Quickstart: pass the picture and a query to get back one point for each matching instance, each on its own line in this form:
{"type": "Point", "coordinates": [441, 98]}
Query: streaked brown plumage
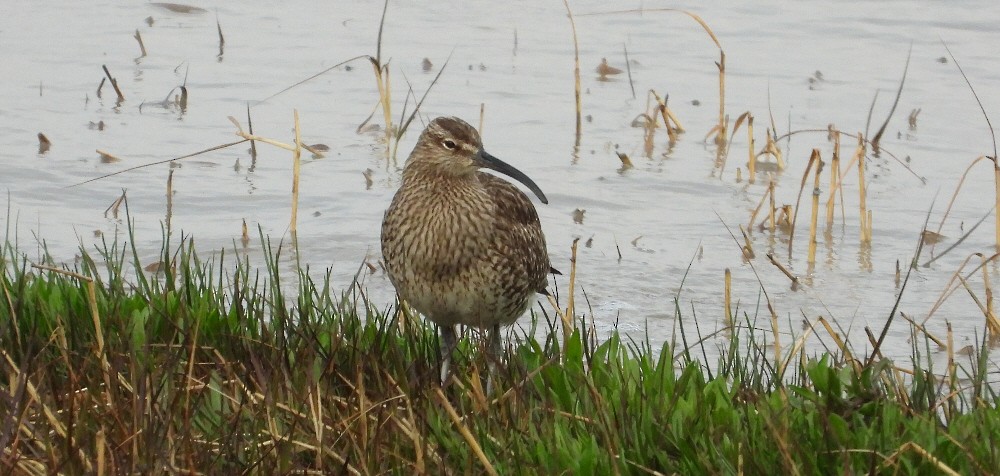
{"type": "Point", "coordinates": [462, 246]}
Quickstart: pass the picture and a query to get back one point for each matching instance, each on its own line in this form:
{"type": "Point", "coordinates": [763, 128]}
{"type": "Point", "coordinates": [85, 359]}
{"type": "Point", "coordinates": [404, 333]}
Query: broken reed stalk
{"type": "Point", "coordinates": [628, 69]}
{"type": "Point", "coordinates": [996, 196]}
{"type": "Point", "coordinates": [864, 215]}
{"type": "Point", "coordinates": [728, 319]}
{"type": "Point", "coordinates": [142, 47]}
{"type": "Point", "coordinates": [114, 83]}
{"type": "Point", "coordinates": [814, 161]}
{"type": "Point", "coordinates": [296, 168]}
{"type": "Point", "coordinates": [992, 324]}
{"type": "Point", "coordinates": [782, 268]}
{"type": "Point", "coordinates": [170, 198]}
{"type": "Point", "coordinates": [770, 193]}
{"type": "Point", "coordinates": [815, 208]}
{"type": "Point", "coordinates": [576, 74]}
{"type": "Point", "coordinates": [385, 99]}
{"type": "Point", "coordinates": [721, 137]}
{"type": "Point", "coordinates": [834, 180]}
{"type": "Point", "coordinates": [951, 287]}
{"type": "Point", "coordinates": [568, 316]}
{"type": "Point", "coordinates": [752, 162]}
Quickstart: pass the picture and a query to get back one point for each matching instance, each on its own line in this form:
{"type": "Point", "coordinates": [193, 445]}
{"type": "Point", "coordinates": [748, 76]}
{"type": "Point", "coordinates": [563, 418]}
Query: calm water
{"type": "Point", "coordinates": [668, 216]}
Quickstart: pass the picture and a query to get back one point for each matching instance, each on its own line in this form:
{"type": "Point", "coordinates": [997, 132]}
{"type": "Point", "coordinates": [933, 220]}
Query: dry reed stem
{"type": "Point", "coordinates": [568, 318]}
{"type": "Point", "coordinates": [954, 195]}
{"type": "Point", "coordinates": [576, 74]}
{"type": "Point", "coordinates": [950, 288]}
{"type": "Point", "coordinates": [815, 209]}
{"type": "Point", "coordinates": [753, 215]}
{"type": "Point", "coordinates": [170, 198]}
{"type": "Point", "coordinates": [783, 269]}
{"type": "Point", "coordinates": [728, 320]}
{"type": "Point", "coordinates": [296, 169]}
{"type": "Point", "coordinates": [996, 195]}
{"type": "Point", "coordinates": [992, 324]}
{"type": "Point", "coordinates": [923, 330]}
{"type": "Point", "coordinates": [720, 139]}
{"type": "Point", "coordinates": [770, 194]}
{"type": "Point", "coordinates": [628, 69]}
{"type": "Point", "coordinates": [814, 161]}
{"type": "Point", "coordinates": [142, 47]}
{"type": "Point", "coordinates": [747, 245]}
{"type": "Point", "coordinates": [911, 446]}
{"type": "Point", "coordinates": [860, 155]}
{"type": "Point", "coordinates": [114, 83]}
{"type": "Point", "coordinates": [989, 319]}
{"type": "Point", "coordinates": [834, 182]}
{"type": "Point", "coordinates": [752, 160]}
{"type": "Point", "coordinates": [796, 349]}
{"type": "Point", "coordinates": [464, 431]}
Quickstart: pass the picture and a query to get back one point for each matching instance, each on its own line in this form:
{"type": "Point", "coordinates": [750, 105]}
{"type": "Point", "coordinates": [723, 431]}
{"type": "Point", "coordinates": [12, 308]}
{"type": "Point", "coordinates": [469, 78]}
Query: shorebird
{"type": "Point", "coordinates": [460, 245]}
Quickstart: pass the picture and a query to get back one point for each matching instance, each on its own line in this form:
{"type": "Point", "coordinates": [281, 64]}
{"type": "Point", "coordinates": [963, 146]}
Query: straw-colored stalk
{"type": "Point", "coordinates": [142, 47]}
{"type": "Point", "coordinates": [951, 286]}
{"type": "Point", "coordinates": [170, 198]}
{"type": "Point", "coordinates": [864, 215]}
{"type": "Point", "coordinates": [770, 193]}
{"type": "Point", "coordinates": [464, 431]}
{"type": "Point", "coordinates": [815, 207]}
{"type": "Point", "coordinates": [728, 318]}
{"type": "Point", "coordinates": [834, 180]}
{"type": "Point", "coordinates": [992, 323]}
{"type": "Point", "coordinates": [576, 73]}
{"type": "Point", "coordinates": [996, 196]}
{"type": "Point", "coordinates": [568, 316]}
{"type": "Point", "coordinates": [788, 274]}
{"type": "Point", "coordinates": [747, 245]}
{"type": "Point", "coordinates": [721, 137]}
{"type": "Point", "coordinates": [296, 168]}
{"type": "Point", "coordinates": [752, 163]}
{"type": "Point", "coordinates": [385, 99]}
{"type": "Point", "coordinates": [954, 195]}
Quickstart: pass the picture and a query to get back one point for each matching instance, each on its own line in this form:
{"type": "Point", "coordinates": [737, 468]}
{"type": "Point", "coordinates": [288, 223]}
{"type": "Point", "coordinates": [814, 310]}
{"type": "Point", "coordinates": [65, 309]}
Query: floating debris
{"type": "Point", "coordinates": [427, 65]}
{"type": "Point", "coordinates": [107, 158]}
{"type": "Point", "coordinates": [368, 173]}
{"type": "Point", "coordinates": [43, 143]}
{"type": "Point", "coordinates": [179, 8]}
{"type": "Point", "coordinates": [578, 216]}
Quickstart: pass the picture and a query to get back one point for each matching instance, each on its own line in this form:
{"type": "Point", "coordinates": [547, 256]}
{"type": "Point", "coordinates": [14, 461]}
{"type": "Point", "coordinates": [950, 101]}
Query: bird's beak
{"type": "Point", "coordinates": [490, 162]}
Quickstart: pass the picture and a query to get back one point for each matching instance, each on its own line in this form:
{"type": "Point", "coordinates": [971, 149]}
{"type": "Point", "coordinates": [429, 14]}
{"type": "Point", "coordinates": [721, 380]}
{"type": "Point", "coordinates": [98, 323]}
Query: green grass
{"type": "Point", "coordinates": [218, 367]}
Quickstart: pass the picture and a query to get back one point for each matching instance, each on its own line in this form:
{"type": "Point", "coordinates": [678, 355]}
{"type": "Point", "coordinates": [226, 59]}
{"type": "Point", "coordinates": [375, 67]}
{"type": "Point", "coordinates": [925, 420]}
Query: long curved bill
{"type": "Point", "coordinates": [490, 162]}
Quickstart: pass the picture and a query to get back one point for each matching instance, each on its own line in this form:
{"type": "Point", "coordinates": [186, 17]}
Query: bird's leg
{"type": "Point", "coordinates": [448, 343]}
{"type": "Point", "coordinates": [493, 356]}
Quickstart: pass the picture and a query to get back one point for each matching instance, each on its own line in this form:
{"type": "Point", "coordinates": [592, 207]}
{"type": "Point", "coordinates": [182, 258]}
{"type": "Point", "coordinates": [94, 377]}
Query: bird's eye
{"type": "Point", "coordinates": [449, 144]}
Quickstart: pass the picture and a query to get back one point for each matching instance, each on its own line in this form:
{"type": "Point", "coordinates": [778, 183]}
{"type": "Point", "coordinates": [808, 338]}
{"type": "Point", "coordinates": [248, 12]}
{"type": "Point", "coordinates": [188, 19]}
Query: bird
{"type": "Point", "coordinates": [462, 246]}
{"type": "Point", "coordinates": [604, 69]}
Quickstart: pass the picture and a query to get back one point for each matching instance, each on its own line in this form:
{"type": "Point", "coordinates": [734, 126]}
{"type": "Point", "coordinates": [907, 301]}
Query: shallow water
{"type": "Point", "coordinates": [671, 216]}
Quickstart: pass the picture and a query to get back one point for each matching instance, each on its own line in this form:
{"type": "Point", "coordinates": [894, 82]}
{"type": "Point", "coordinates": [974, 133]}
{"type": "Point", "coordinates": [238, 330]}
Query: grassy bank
{"type": "Point", "coordinates": [215, 367]}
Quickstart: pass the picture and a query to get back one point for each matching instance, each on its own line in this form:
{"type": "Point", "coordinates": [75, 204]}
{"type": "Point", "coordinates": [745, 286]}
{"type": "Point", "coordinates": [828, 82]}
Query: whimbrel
{"type": "Point", "coordinates": [463, 246]}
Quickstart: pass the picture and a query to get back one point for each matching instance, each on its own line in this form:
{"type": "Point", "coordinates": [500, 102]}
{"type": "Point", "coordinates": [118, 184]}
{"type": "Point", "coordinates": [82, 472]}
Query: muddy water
{"type": "Point", "coordinates": [671, 217]}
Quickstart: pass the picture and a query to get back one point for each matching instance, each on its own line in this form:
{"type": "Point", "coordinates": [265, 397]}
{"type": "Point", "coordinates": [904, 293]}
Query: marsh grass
{"type": "Point", "coordinates": [219, 366]}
